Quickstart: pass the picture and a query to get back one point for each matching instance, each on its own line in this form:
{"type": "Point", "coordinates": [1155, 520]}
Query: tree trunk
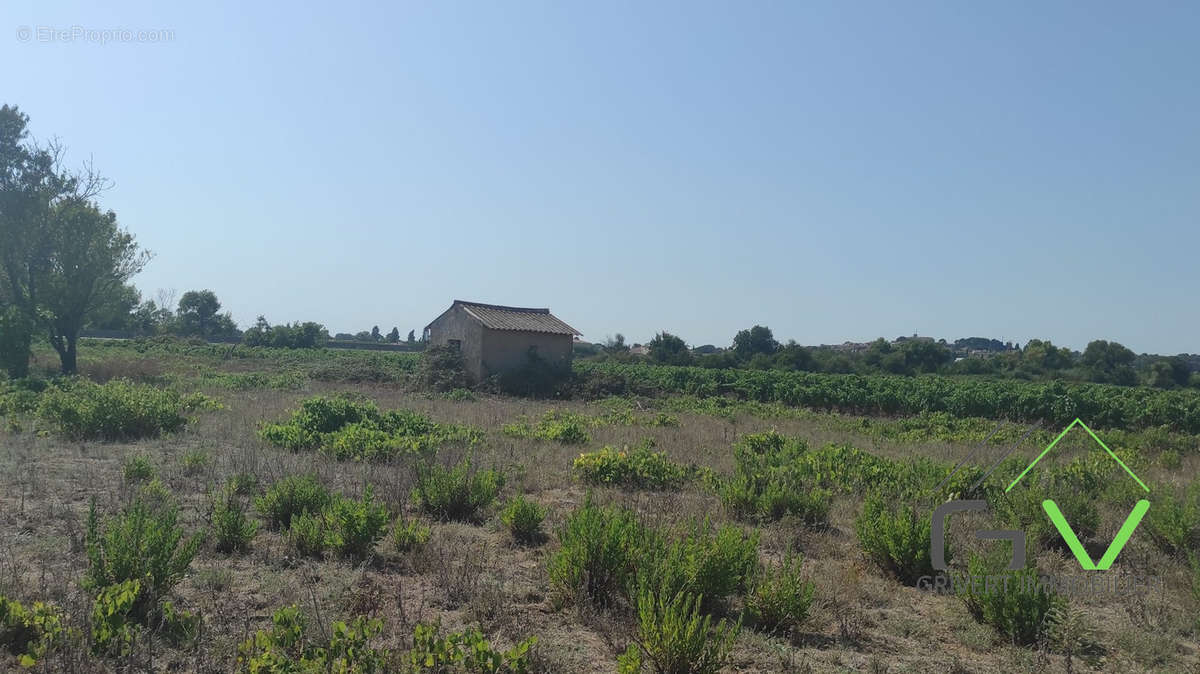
{"type": "Point", "coordinates": [68, 356]}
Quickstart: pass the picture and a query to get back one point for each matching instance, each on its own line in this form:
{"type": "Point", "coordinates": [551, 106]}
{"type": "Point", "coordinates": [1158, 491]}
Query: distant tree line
{"type": "Point", "coordinates": [756, 348]}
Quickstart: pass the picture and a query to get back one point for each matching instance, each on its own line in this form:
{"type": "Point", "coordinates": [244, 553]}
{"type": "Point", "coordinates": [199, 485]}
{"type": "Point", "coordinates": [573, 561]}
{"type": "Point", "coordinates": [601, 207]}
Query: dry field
{"type": "Point", "coordinates": [477, 575]}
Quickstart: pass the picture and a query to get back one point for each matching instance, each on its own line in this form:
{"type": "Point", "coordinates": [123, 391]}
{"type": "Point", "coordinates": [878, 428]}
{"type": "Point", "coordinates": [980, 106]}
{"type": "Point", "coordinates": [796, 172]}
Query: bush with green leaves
{"type": "Point", "coordinates": [286, 647]}
{"type": "Point", "coordinates": [143, 543]}
{"type": "Point", "coordinates": [523, 518]}
{"type": "Point", "coordinates": [409, 534]}
{"type": "Point", "coordinates": [306, 534]}
{"type": "Point", "coordinates": [1174, 521]}
{"type": "Point", "coordinates": [29, 633]}
{"type": "Point", "coordinates": [598, 555]}
{"type": "Point", "coordinates": [674, 635]}
{"type": "Point", "coordinates": [768, 482]}
{"type": "Point", "coordinates": [354, 526]}
{"type": "Point", "coordinates": [568, 428]}
{"type": "Point", "coordinates": [16, 336]}
{"type": "Point", "coordinates": [1021, 508]}
{"type": "Point", "coordinates": [137, 468]}
{"type": "Point", "coordinates": [346, 427]}
{"type": "Point", "coordinates": [290, 497]}
{"type": "Point", "coordinates": [232, 528]}
{"type": "Point", "coordinates": [780, 597]}
{"type": "Point", "coordinates": [700, 560]}
{"type": "Point", "coordinates": [195, 462]}
{"type": "Point", "coordinates": [114, 618]}
{"type": "Point", "coordinates": [637, 468]}
{"type": "Point", "coordinates": [457, 494]}
{"type": "Point", "coordinates": [1014, 602]}
{"type": "Point", "coordinates": [116, 410]}
{"type": "Point", "coordinates": [466, 651]}
{"type": "Point", "coordinates": [895, 537]}
{"type": "Point", "coordinates": [182, 628]}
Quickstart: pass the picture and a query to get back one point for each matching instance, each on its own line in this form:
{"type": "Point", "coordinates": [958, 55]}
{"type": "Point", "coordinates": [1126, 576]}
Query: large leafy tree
{"type": "Point", "coordinates": [1109, 362]}
{"type": "Point", "coordinates": [669, 349]}
{"type": "Point", "coordinates": [61, 256]}
{"type": "Point", "coordinates": [753, 341]}
{"type": "Point", "coordinates": [197, 316]}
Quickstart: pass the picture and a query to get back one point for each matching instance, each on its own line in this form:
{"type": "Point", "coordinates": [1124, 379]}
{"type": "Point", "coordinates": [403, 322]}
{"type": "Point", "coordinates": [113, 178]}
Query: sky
{"type": "Point", "coordinates": [836, 170]}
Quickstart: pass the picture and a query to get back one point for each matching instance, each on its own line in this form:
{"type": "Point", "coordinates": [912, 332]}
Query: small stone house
{"type": "Point", "coordinates": [494, 338]}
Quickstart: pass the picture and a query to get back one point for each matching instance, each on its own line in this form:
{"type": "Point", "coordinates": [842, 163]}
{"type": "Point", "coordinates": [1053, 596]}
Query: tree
{"type": "Point", "coordinates": [61, 255]}
{"type": "Point", "coordinates": [375, 334]}
{"type": "Point", "coordinates": [1109, 362]}
{"type": "Point", "coordinates": [794, 357]}
{"type": "Point", "coordinates": [16, 337]}
{"type": "Point", "coordinates": [1043, 356]}
{"type": "Point", "coordinates": [925, 356]}
{"type": "Point", "coordinates": [116, 312]}
{"type": "Point", "coordinates": [197, 312]}
{"type": "Point", "coordinates": [616, 344]}
{"type": "Point", "coordinates": [1170, 372]}
{"type": "Point", "coordinates": [758, 339]}
{"type": "Point", "coordinates": [394, 336]}
{"type": "Point", "coordinates": [668, 349]}
{"type": "Point", "coordinates": [412, 337]}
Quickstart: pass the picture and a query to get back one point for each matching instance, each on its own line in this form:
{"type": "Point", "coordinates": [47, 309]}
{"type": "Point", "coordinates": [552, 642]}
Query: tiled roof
{"type": "Point", "coordinates": [517, 318]}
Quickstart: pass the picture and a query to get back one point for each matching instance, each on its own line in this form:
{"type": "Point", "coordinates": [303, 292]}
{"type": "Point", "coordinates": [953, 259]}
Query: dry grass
{"type": "Point", "coordinates": [475, 575]}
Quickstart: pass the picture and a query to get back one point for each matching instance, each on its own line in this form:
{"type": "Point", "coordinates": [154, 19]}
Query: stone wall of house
{"type": "Point", "coordinates": [509, 349]}
{"type": "Point", "coordinates": [456, 323]}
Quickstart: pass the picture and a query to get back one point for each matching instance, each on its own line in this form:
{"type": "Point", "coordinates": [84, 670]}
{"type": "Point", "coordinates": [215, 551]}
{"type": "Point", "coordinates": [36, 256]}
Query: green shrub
{"type": "Point", "coordinates": [138, 468]}
{"type": "Point", "coordinates": [458, 493]}
{"type": "Point", "coordinates": [409, 534]}
{"type": "Point", "coordinates": [639, 468]}
{"type": "Point", "coordinates": [114, 622]}
{"type": "Point", "coordinates": [441, 369]}
{"type": "Point", "coordinates": [1022, 509]}
{"type": "Point", "coordinates": [598, 553]}
{"type": "Point", "coordinates": [232, 529]}
{"type": "Point", "coordinates": [780, 597]}
{"type": "Point", "coordinates": [752, 500]}
{"type": "Point", "coordinates": [244, 484]}
{"type": "Point", "coordinates": [703, 561]}
{"type": "Point", "coordinates": [1174, 521]}
{"type": "Point", "coordinates": [116, 410]}
{"type": "Point", "coordinates": [770, 481]}
{"type": "Point", "coordinates": [1014, 602]}
{"type": "Point", "coordinates": [675, 636]}
{"type": "Point", "coordinates": [465, 651]}
{"type": "Point", "coordinates": [1170, 459]}
{"type": "Point", "coordinates": [194, 462]}
{"type": "Point", "coordinates": [29, 633]}
{"type": "Point", "coordinates": [895, 537]}
{"type": "Point", "coordinates": [345, 427]}
{"type": "Point", "coordinates": [565, 427]}
{"type": "Point", "coordinates": [353, 527]}
{"type": "Point", "coordinates": [306, 534]}
{"type": "Point", "coordinates": [290, 497]}
{"type": "Point", "coordinates": [142, 543]}
{"type": "Point", "coordinates": [181, 628]}
{"type": "Point", "coordinates": [523, 518]}
{"type": "Point", "coordinates": [286, 648]}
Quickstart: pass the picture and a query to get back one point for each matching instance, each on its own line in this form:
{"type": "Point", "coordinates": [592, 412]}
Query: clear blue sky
{"type": "Point", "coordinates": [837, 171]}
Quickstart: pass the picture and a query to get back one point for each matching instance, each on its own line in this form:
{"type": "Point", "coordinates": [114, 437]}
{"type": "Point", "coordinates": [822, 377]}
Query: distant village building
{"type": "Point", "coordinates": [495, 339]}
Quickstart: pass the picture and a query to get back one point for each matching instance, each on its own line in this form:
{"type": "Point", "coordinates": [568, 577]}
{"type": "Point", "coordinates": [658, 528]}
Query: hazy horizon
{"type": "Point", "coordinates": [836, 172]}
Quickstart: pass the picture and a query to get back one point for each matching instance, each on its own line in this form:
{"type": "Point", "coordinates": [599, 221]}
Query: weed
{"type": "Point", "coordinates": [523, 518]}
{"type": "Point", "coordinates": [290, 497]}
{"type": "Point", "coordinates": [457, 494]}
{"type": "Point", "coordinates": [780, 597]}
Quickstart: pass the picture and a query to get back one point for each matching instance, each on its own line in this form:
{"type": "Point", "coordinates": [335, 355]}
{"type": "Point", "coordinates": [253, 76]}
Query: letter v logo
{"type": "Point", "coordinates": [1114, 549]}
